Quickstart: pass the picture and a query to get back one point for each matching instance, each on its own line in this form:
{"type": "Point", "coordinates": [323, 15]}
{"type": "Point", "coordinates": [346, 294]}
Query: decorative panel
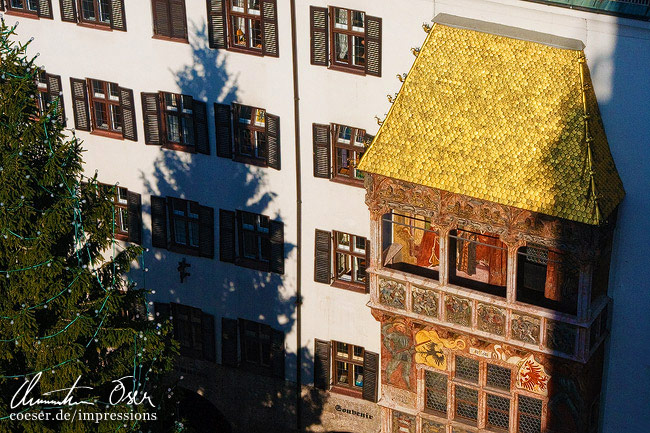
{"type": "Point", "coordinates": [429, 426]}
{"type": "Point", "coordinates": [392, 293]}
{"type": "Point", "coordinates": [491, 319]}
{"type": "Point", "coordinates": [458, 310]}
{"type": "Point", "coordinates": [561, 337]}
{"type": "Point", "coordinates": [456, 429]}
{"type": "Point", "coordinates": [403, 423]}
{"type": "Point", "coordinates": [525, 328]}
{"type": "Point", "coordinates": [425, 301]}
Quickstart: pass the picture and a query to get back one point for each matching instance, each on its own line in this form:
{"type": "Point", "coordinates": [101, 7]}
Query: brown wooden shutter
{"type": "Point", "coordinates": [80, 104]}
{"type": "Point", "coordinates": [196, 332]}
{"type": "Point", "coordinates": [206, 232]}
{"type": "Point", "coordinates": [207, 333]}
{"type": "Point", "coordinates": [322, 151]}
{"type": "Point", "coordinates": [223, 130]}
{"type": "Point", "coordinates": [129, 129]}
{"type": "Point", "coordinates": [118, 20]}
{"type": "Point", "coordinates": [270, 28]}
{"type": "Point", "coordinates": [273, 140]}
{"type": "Point", "coordinates": [68, 10]}
{"type": "Point", "coordinates": [319, 36]}
{"type": "Point", "coordinates": [161, 19]}
{"type": "Point", "coordinates": [162, 311]}
{"type": "Point", "coordinates": [370, 379]}
{"type": "Point", "coordinates": [226, 236]}
{"type": "Point", "coordinates": [322, 353]}
{"type": "Point", "coordinates": [276, 263]}
{"type": "Point", "coordinates": [277, 353]}
{"type": "Point", "coordinates": [229, 346]}
{"type": "Point", "coordinates": [373, 46]}
{"type": "Point", "coordinates": [323, 257]}
{"type": "Point", "coordinates": [2, 5]}
{"type": "Point", "coordinates": [158, 222]}
{"type": "Point", "coordinates": [151, 116]}
{"type": "Point", "coordinates": [178, 19]}
{"type": "Point", "coordinates": [216, 24]}
{"type": "Point", "coordinates": [55, 90]}
{"type": "Point", "coordinates": [201, 127]}
{"type": "Point", "coordinates": [367, 266]}
{"type": "Point", "coordinates": [45, 8]}
{"type": "Point", "coordinates": [135, 217]}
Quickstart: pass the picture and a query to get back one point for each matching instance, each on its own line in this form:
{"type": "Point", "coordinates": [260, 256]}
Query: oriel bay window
{"type": "Point", "coordinates": [29, 8]}
{"type": "Point", "coordinates": [175, 121]}
{"type": "Point", "coordinates": [169, 19]}
{"type": "Point", "coordinates": [256, 135]}
{"type": "Point", "coordinates": [546, 278]}
{"type": "Point", "coordinates": [193, 328]}
{"type": "Point", "coordinates": [102, 14]}
{"type": "Point", "coordinates": [350, 257]}
{"type": "Point", "coordinates": [478, 261]}
{"type": "Point", "coordinates": [104, 108]}
{"type": "Point", "coordinates": [249, 26]}
{"type": "Point", "coordinates": [251, 240]}
{"type": "Point", "coordinates": [345, 39]}
{"type": "Point", "coordinates": [127, 213]}
{"type": "Point", "coordinates": [182, 226]}
{"type": "Point", "coordinates": [410, 244]}
{"type": "Point", "coordinates": [50, 91]}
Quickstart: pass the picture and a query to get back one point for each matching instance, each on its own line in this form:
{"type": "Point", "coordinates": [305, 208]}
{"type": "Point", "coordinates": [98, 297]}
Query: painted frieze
{"type": "Point", "coordinates": [491, 319]}
{"type": "Point", "coordinates": [525, 328]}
{"type": "Point", "coordinates": [458, 310]}
{"type": "Point", "coordinates": [429, 426]}
{"type": "Point", "coordinates": [397, 354]}
{"type": "Point", "coordinates": [425, 301]}
{"type": "Point", "coordinates": [561, 337]}
{"type": "Point", "coordinates": [532, 376]}
{"type": "Point", "coordinates": [392, 293]}
{"type": "Point", "coordinates": [429, 348]}
{"type": "Point", "coordinates": [403, 422]}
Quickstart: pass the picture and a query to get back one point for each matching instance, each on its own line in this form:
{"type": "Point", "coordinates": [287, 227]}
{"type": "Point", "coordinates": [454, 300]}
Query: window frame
{"type": "Point", "coordinates": [262, 240]}
{"type": "Point", "coordinates": [260, 330]}
{"type": "Point", "coordinates": [354, 254]}
{"type": "Point", "coordinates": [121, 211]}
{"type": "Point", "coordinates": [248, 17]}
{"type": "Point", "coordinates": [350, 33]}
{"type": "Point", "coordinates": [351, 388]}
{"type": "Point", "coordinates": [254, 130]}
{"type": "Point", "coordinates": [154, 16]}
{"type": "Point", "coordinates": [43, 98]}
{"type": "Point", "coordinates": [23, 11]}
{"type": "Point", "coordinates": [97, 9]}
{"type": "Point", "coordinates": [181, 113]}
{"type": "Point", "coordinates": [186, 219]}
{"type": "Point", "coordinates": [354, 148]}
{"type": "Point", "coordinates": [107, 102]}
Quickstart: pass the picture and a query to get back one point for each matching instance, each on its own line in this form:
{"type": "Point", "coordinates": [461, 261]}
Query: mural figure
{"type": "Point", "coordinates": [400, 347]}
{"type": "Point", "coordinates": [429, 348]}
{"type": "Point", "coordinates": [532, 377]}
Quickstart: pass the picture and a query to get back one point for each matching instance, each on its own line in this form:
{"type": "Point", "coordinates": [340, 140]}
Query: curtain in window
{"type": "Point", "coordinates": [553, 276]}
{"type": "Point", "coordinates": [429, 251]}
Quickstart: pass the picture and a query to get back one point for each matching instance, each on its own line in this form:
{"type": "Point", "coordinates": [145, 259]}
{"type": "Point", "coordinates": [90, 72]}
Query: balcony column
{"type": "Point", "coordinates": [511, 281]}
{"type": "Point", "coordinates": [375, 251]}
{"type": "Point", "coordinates": [443, 274]}
{"type": "Point", "coordinates": [584, 291]}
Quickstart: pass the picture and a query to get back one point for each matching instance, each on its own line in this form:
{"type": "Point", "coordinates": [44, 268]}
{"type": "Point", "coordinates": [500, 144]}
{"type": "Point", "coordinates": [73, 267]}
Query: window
{"type": "Point", "coordinates": [345, 39]}
{"type": "Point", "coordinates": [49, 91]}
{"type": "Point", "coordinates": [530, 415]}
{"type": "Point", "coordinates": [251, 240]}
{"type": "Point", "coordinates": [169, 20]}
{"type": "Point", "coordinates": [127, 215]}
{"type": "Point", "coordinates": [190, 229]}
{"type": "Point", "coordinates": [410, 244]}
{"type": "Point", "coordinates": [102, 14]}
{"type": "Point", "coordinates": [29, 8]}
{"type": "Point", "coordinates": [256, 135]}
{"type": "Point", "coordinates": [354, 369]}
{"type": "Point", "coordinates": [478, 261]}
{"type": "Point", "coordinates": [545, 279]}
{"type": "Point", "coordinates": [193, 329]}
{"type": "Point", "coordinates": [104, 108]}
{"type": "Point", "coordinates": [435, 392]}
{"type": "Point", "coordinates": [175, 121]}
{"type": "Point", "coordinates": [350, 256]}
{"type": "Point", "coordinates": [248, 26]}
{"type": "Point", "coordinates": [252, 346]}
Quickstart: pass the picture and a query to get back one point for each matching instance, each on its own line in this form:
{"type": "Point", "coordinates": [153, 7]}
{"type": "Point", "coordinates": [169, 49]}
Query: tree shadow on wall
{"type": "Point", "coordinates": [247, 401]}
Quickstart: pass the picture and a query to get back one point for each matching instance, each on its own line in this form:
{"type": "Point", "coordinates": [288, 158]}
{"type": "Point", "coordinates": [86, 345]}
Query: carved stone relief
{"type": "Point", "coordinates": [458, 310]}
{"type": "Point", "coordinates": [561, 337]}
{"type": "Point", "coordinates": [425, 301]}
{"type": "Point", "coordinates": [525, 328]}
{"type": "Point", "coordinates": [392, 293]}
{"type": "Point", "coordinates": [491, 319]}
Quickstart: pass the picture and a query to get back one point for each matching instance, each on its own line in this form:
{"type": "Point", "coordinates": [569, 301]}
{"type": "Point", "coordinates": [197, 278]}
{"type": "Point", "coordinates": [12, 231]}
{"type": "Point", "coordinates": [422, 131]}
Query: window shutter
{"type": "Point", "coordinates": [229, 346]}
{"type": "Point", "coordinates": [367, 266]}
{"type": "Point", "coordinates": [162, 311]}
{"type": "Point", "coordinates": [129, 130]}
{"type": "Point", "coordinates": [68, 11]}
{"type": "Point", "coordinates": [118, 20]}
{"type": "Point", "coordinates": [45, 8]}
{"type": "Point", "coordinates": [273, 140]}
{"type": "Point", "coordinates": [178, 19]}
{"type": "Point", "coordinates": [277, 353]}
{"type": "Point", "coordinates": [277, 247]}
{"type": "Point", "coordinates": [161, 20]}
{"type": "Point", "coordinates": [54, 89]}
{"type": "Point", "coordinates": [151, 116]}
{"type": "Point", "coordinates": [216, 24]}
{"type": "Point", "coordinates": [223, 130]}
{"type": "Point", "coordinates": [270, 28]}
{"type": "Point", "coordinates": [135, 217]}
{"type": "Point", "coordinates": [158, 222]}
{"type": "Point", "coordinates": [226, 236]}
{"type": "Point", "coordinates": [318, 30]}
{"type": "Point", "coordinates": [201, 127]}
{"type": "Point", "coordinates": [370, 379]}
{"type": "Point", "coordinates": [323, 257]}
{"type": "Point", "coordinates": [207, 333]}
{"type": "Point", "coordinates": [206, 232]}
{"type": "Point", "coordinates": [373, 46]}
{"type": "Point", "coordinates": [322, 351]}
{"type": "Point", "coordinates": [2, 5]}
{"type": "Point", "coordinates": [322, 151]}
{"type": "Point", "coordinates": [80, 104]}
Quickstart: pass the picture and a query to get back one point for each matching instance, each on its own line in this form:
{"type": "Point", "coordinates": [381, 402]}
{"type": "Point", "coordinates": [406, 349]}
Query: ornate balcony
{"type": "Point", "coordinates": [636, 9]}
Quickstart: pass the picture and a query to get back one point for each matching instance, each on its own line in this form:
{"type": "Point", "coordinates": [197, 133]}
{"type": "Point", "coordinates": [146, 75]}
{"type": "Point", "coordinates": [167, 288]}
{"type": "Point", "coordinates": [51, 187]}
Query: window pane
{"type": "Point", "coordinates": [98, 88]}
{"type": "Point", "coordinates": [122, 195]}
{"type": "Point", "coordinates": [467, 369]}
{"type": "Point", "coordinates": [358, 375]}
{"type": "Point", "coordinates": [245, 144]}
{"type": "Point", "coordinates": [261, 144]}
{"type": "Point", "coordinates": [116, 117]}
{"type": "Point", "coordinates": [342, 372]}
{"type": "Point", "coordinates": [359, 244]}
{"type": "Point", "coordinates": [358, 51]}
{"type": "Point", "coordinates": [265, 249]}
{"type": "Point", "coordinates": [358, 19]}
{"type": "Point", "coordinates": [255, 36]}
{"type": "Point", "coordinates": [171, 103]}
{"type": "Point", "coordinates": [188, 131]}
{"type": "Point", "coordinates": [179, 231]}
{"type": "Point", "coordinates": [341, 18]}
{"type": "Point", "coordinates": [436, 391]}
{"type": "Point", "coordinates": [357, 159]}
{"type": "Point", "coordinates": [105, 11]}
{"type": "Point", "coordinates": [341, 48]}
{"type": "Point", "coordinates": [343, 166]}
{"type": "Point", "coordinates": [498, 377]}
{"type": "Point", "coordinates": [245, 114]}
{"type": "Point", "coordinates": [466, 403]}
{"type": "Point", "coordinates": [360, 269]}
{"type": "Point", "coordinates": [194, 234]}
{"type": "Point", "coordinates": [101, 116]}
{"type": "Point", "coordinates": [173, 131]}
{"type": "Point", "coordinates": [357, 353]}
{"type": "Point", "coordinates": [249, 221]}
{"type": "Point", "coordinates": [254, 7]}
{"type": "Point", "coordinates": [238, 5]}
{"type": "Point", "coordinates": [345, 133]}
{"type": "Point", "coordinates": [32, 5]}
{"type": "Point", "coordinates": [411, 245]}
{"type": "Point", "coordinates": [530, 414]}
{"type": "Point", "coordinates": [88, 10]}
{"type": "Point", "coordinates": [343, 267]}
{"type": "Point", "coordinates": [113, 91]}
{"type": "Point", "coordinates": [250, 245]}
{"type": "Point", "coordinates": [252, 350]}
{"type": "Point", "coordinates": [260, 117]}
{"type": "Point", "coordinates": [17, 4]}
{"type": "Point", "coordinates": [498, 411]}
{"type": "Point", "coordinates": [239, 31]}
{"type": "Point", "coordinates": [263, 225]}
{"type": "Point", "coordinates": [481, 258]}
{"type": "Point", "coordinates": [342, 349]}
{"type": "Point", "coordinates": [343, 241]}
{"type": "Point", "coordinates": [122, 220]}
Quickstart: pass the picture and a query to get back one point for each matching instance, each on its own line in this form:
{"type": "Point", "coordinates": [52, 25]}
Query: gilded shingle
{"type": "Point", "coordinates": [503, 120]}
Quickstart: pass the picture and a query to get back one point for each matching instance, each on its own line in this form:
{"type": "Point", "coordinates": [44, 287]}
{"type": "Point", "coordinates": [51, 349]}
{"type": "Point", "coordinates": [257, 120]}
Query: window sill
{"type": "Point", "coordinates": [348, 69]}
{"type": "Point", "coordinates": [179, 148]}
{"type": "Point", "coordinates": [252, 264]}
{"type": "Point", "coordinates": [184, 249]}
{"type": "Point", "coordinates": [170, 39]}
{"type": "Point", "coordinates": [250, 160]}
{"type": "Point", "coordinates": [346, 391]}
{"type": "Point", "coordinates": [353, 287]}
{"type": "Point", "coordinates": [122, 237]}
{"type": "Point", "coordinates": [348, 181]}
{"type": "Point", "coordinates": [251, 51]}
{"type": "Point", "coordinates": [104, 27]}
{"type": "Point", "coordinates": [107, 134]}
{"type": "Point", "coordinates": [22, 14]}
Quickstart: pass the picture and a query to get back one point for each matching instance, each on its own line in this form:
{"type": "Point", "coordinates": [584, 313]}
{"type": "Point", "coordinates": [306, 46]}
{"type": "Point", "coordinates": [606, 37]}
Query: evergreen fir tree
{"type": "Point", "coordinates": [67, 308]}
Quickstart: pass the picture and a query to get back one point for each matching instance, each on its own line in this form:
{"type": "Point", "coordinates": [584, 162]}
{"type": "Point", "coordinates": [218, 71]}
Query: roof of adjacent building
{"type": "Point", "coordinates": [504, 115]}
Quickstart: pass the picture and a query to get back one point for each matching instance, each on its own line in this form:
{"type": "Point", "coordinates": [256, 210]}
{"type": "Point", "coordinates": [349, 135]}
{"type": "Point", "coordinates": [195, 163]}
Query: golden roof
{"type": "Point", "coordinates": [505, 120]}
